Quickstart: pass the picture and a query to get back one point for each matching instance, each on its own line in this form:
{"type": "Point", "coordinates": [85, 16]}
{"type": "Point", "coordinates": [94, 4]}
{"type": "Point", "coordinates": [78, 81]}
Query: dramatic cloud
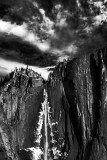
{"type": "Point", "coordinates": [40, 33]}
{"type": "Point", "coordinates": [22, 32]}
{"type": "Point", "coordinates": [63, 34]}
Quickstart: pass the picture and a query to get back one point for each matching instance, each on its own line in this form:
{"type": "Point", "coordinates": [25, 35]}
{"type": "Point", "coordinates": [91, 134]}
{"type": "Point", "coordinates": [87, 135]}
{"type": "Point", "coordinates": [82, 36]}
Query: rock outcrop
{"type": "Point", "coordinates": [64, 118]}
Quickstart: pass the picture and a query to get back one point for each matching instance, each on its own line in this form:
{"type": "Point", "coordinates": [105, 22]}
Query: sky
{"type": "Point", "coordinates": [40, 33]}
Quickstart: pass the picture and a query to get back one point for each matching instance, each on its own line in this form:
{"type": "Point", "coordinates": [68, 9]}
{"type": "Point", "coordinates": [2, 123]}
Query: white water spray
{"type": "Point", "coordinates": [45, 125]}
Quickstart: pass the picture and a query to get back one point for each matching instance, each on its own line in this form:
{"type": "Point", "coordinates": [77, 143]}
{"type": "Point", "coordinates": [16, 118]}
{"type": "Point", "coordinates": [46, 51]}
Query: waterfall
{"type": "Point", "coordinates": [45, 128]}
{"type": "Point", "coordinates": [45, 106]}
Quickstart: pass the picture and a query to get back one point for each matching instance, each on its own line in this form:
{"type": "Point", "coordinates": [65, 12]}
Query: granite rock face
{"type": "Point", "coordinates": [64, 118]}
{"type": "Point", "coordinates": [20, 99]}
{"type": "Point", "coordinates": [85, 89]}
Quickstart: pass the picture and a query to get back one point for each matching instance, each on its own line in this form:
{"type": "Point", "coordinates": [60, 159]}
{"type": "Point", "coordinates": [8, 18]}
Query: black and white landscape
{"type": "Point", "coordinates": [53, 80]}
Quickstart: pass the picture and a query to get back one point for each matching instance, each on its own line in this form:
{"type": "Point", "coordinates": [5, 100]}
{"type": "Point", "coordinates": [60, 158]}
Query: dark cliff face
{"type": "Point", "coordinates": [84, 88]}
{"type": "Point", "coordinates": [20, 100]}
{"type": "Point", "coordinates": [64, 118]}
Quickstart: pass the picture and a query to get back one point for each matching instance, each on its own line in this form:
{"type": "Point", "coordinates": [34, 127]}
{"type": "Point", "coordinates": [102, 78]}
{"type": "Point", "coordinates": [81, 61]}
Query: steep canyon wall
{"type": "Point", "coordinates": [67, 114]}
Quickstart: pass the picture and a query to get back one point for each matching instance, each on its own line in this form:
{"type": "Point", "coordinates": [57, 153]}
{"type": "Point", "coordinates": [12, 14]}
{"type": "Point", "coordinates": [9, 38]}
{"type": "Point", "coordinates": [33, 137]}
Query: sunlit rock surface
{"type": "Point", "coordinates": [62, 119]}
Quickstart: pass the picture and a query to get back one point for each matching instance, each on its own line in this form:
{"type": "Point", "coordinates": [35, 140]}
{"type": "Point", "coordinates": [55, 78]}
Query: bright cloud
{"type": "Point", "coordinates": [61, 16]}
{"type": "Point", "coordinates": [47, 24]}
{"type": "Point", "coordinates": [23, 32]}
{"type": "Point", "coordinates": [102, 17]}
{"type": "Point", "coordinates": [9, 66]}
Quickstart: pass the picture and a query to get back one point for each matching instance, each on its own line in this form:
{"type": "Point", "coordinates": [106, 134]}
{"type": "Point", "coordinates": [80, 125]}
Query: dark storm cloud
{"type": "Point", "coordinates": [14, 48]}
{"type": "Point", "coordinates": [6, 12]}
{"type": "Point", "coordinates": [17, 11]}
